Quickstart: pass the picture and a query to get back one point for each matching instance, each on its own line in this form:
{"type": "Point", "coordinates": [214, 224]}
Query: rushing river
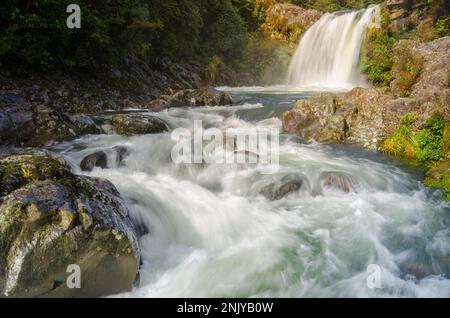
{"type": "Point", "coordinates": [211, 234]}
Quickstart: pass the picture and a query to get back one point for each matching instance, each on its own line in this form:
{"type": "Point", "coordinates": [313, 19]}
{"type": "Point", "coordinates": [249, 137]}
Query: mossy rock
{"type": "Point", "coordinates": [51, 219]}
{"type": "Point", "coordinates": [134, 124]}
{"type": "Point", "coordinates": [438, 177]}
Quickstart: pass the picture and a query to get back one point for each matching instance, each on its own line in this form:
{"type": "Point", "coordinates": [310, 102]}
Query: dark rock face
{"type": "Point", "coordinates": [277, 191]}
{"type": "Point", "coordinates": [50, 219]}
{"type": "Point", "coordinates": [134, 124]}
{"type": "Point", "coordinates": [24, 124]}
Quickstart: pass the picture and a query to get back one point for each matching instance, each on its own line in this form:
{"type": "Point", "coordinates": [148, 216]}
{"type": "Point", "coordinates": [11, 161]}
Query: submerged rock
{"type": "Point", "coordinates": [277, 191]}
{"type": "Point", "coordinates": [100, 158]}
{"type": "Point", "coordinates": [136, 124]}
{"type": "Point", "coordinates": [339, 181]}
{"type": "Point", "coordinates": [50, 220]}
{"type": "Point", "coordinates": [96, 159]}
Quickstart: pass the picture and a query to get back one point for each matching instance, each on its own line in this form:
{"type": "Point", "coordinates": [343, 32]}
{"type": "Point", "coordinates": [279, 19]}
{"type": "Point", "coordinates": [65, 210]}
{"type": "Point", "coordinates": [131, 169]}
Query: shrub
{"type": "Point", "coordinates": [335, 5]}
{"type": "Point", "coordinates": [427, 144]}
{"type": "Point", "coordinates": [377, 57]}
{"type": "Point", "coordinates": [407, 69]}
{"type": "Point", "coordinates": [442, 26]}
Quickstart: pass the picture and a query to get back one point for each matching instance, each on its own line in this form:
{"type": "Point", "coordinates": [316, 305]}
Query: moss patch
{"type": "Point", "coordinates": [429, 145]}
{"type": "Point", "coordinates": [377, 53]}
{"type": "Point", "coordinates": [18, 171]}
{"type": "Point", "coordinates": [438, 177]}
{"type": "Point", "coordinates": [407, 69]}
{"type": "Point", "coordinates": [423, 145]}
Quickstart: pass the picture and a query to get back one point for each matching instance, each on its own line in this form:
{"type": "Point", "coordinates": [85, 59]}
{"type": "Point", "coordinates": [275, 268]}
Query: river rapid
{"type": "Point", "coordinates": [212, 234]}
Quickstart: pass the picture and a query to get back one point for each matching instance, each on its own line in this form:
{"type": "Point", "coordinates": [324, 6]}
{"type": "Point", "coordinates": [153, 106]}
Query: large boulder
{"type": "Point", "coordinates": [338, 181]}
{"type": "Point", "coordinates": [52, 221]}
{"type": "Point", "coordinates": [355, 117]}
{"type": "Point", "coordinates": [137, 124]}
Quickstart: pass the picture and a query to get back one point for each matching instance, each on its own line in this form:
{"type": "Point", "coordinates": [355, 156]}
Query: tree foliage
{"type": "Point", "coordinates": [34, 32]}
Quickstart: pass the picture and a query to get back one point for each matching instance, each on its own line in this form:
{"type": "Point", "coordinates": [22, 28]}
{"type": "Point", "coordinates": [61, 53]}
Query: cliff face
{"type": "Point", "coordinates": [420, 15]}
{"type": "Point", "coordinates": [288, 22]}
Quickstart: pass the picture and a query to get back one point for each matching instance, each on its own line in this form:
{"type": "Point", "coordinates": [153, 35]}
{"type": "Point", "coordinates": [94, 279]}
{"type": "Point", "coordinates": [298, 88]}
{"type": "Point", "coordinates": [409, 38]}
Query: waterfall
{"type": "Point", "coordinates": [328, 53]}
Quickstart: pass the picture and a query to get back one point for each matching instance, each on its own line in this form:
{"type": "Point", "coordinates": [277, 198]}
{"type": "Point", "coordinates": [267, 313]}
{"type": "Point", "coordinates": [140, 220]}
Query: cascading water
{"type": "Point", "coordinates": [328, 53]}
{"type": "Point", "coordinates": [211, 233]}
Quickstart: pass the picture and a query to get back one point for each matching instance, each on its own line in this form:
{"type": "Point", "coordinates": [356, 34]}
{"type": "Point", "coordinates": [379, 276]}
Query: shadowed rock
{"type": "Point", "coordinates": [51, 219]}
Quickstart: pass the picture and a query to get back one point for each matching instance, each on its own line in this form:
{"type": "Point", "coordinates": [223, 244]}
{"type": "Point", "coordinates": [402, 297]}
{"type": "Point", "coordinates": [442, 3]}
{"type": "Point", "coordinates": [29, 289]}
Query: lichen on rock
{"type": "Point", "coordinates": [50, 219]}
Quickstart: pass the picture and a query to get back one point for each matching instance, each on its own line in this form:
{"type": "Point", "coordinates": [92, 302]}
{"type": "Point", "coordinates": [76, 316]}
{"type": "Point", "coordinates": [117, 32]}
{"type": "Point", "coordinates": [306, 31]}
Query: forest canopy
{"type": "Point", "coordinates": [34, 32]}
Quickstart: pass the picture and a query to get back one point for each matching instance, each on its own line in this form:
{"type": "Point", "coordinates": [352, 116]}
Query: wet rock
{"type": "Point", "coordinates": [100, 159]}
{"type": "Point", "coordinates": [84, 125]}
{"type": "Point", "coordinates": [97, 159]}
{"type": "Point", "coordinates": [192, 97]}
{"type": "Point", "coordinates": [157, 105]}
{"type": "Point", "coordinates": [135, 124]}
{"type": "Point", "coordinates": [417, 270]}
{"type": "Point", "coordinates": [52, 219]}
{"type": "Point", "coordinates": [121, 153]}
{"type": "Point", "coordinates": [339, 181]}
{"type": "Point", "coordinates": [277, 191]}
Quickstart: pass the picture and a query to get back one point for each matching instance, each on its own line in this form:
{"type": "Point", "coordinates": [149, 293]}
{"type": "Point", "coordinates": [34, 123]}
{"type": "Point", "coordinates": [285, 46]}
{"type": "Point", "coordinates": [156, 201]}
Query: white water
{"type": "Point", "coordinates": [212, 235]}
{"type": "Point", "coordinates": [328, 53]}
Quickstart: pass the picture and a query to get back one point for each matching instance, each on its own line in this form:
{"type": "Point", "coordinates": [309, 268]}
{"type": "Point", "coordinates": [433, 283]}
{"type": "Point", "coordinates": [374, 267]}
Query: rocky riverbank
{"type": "Point", "coordinates": [51, 109]}
{"type": "Point", "coordinates": [370, 116]}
